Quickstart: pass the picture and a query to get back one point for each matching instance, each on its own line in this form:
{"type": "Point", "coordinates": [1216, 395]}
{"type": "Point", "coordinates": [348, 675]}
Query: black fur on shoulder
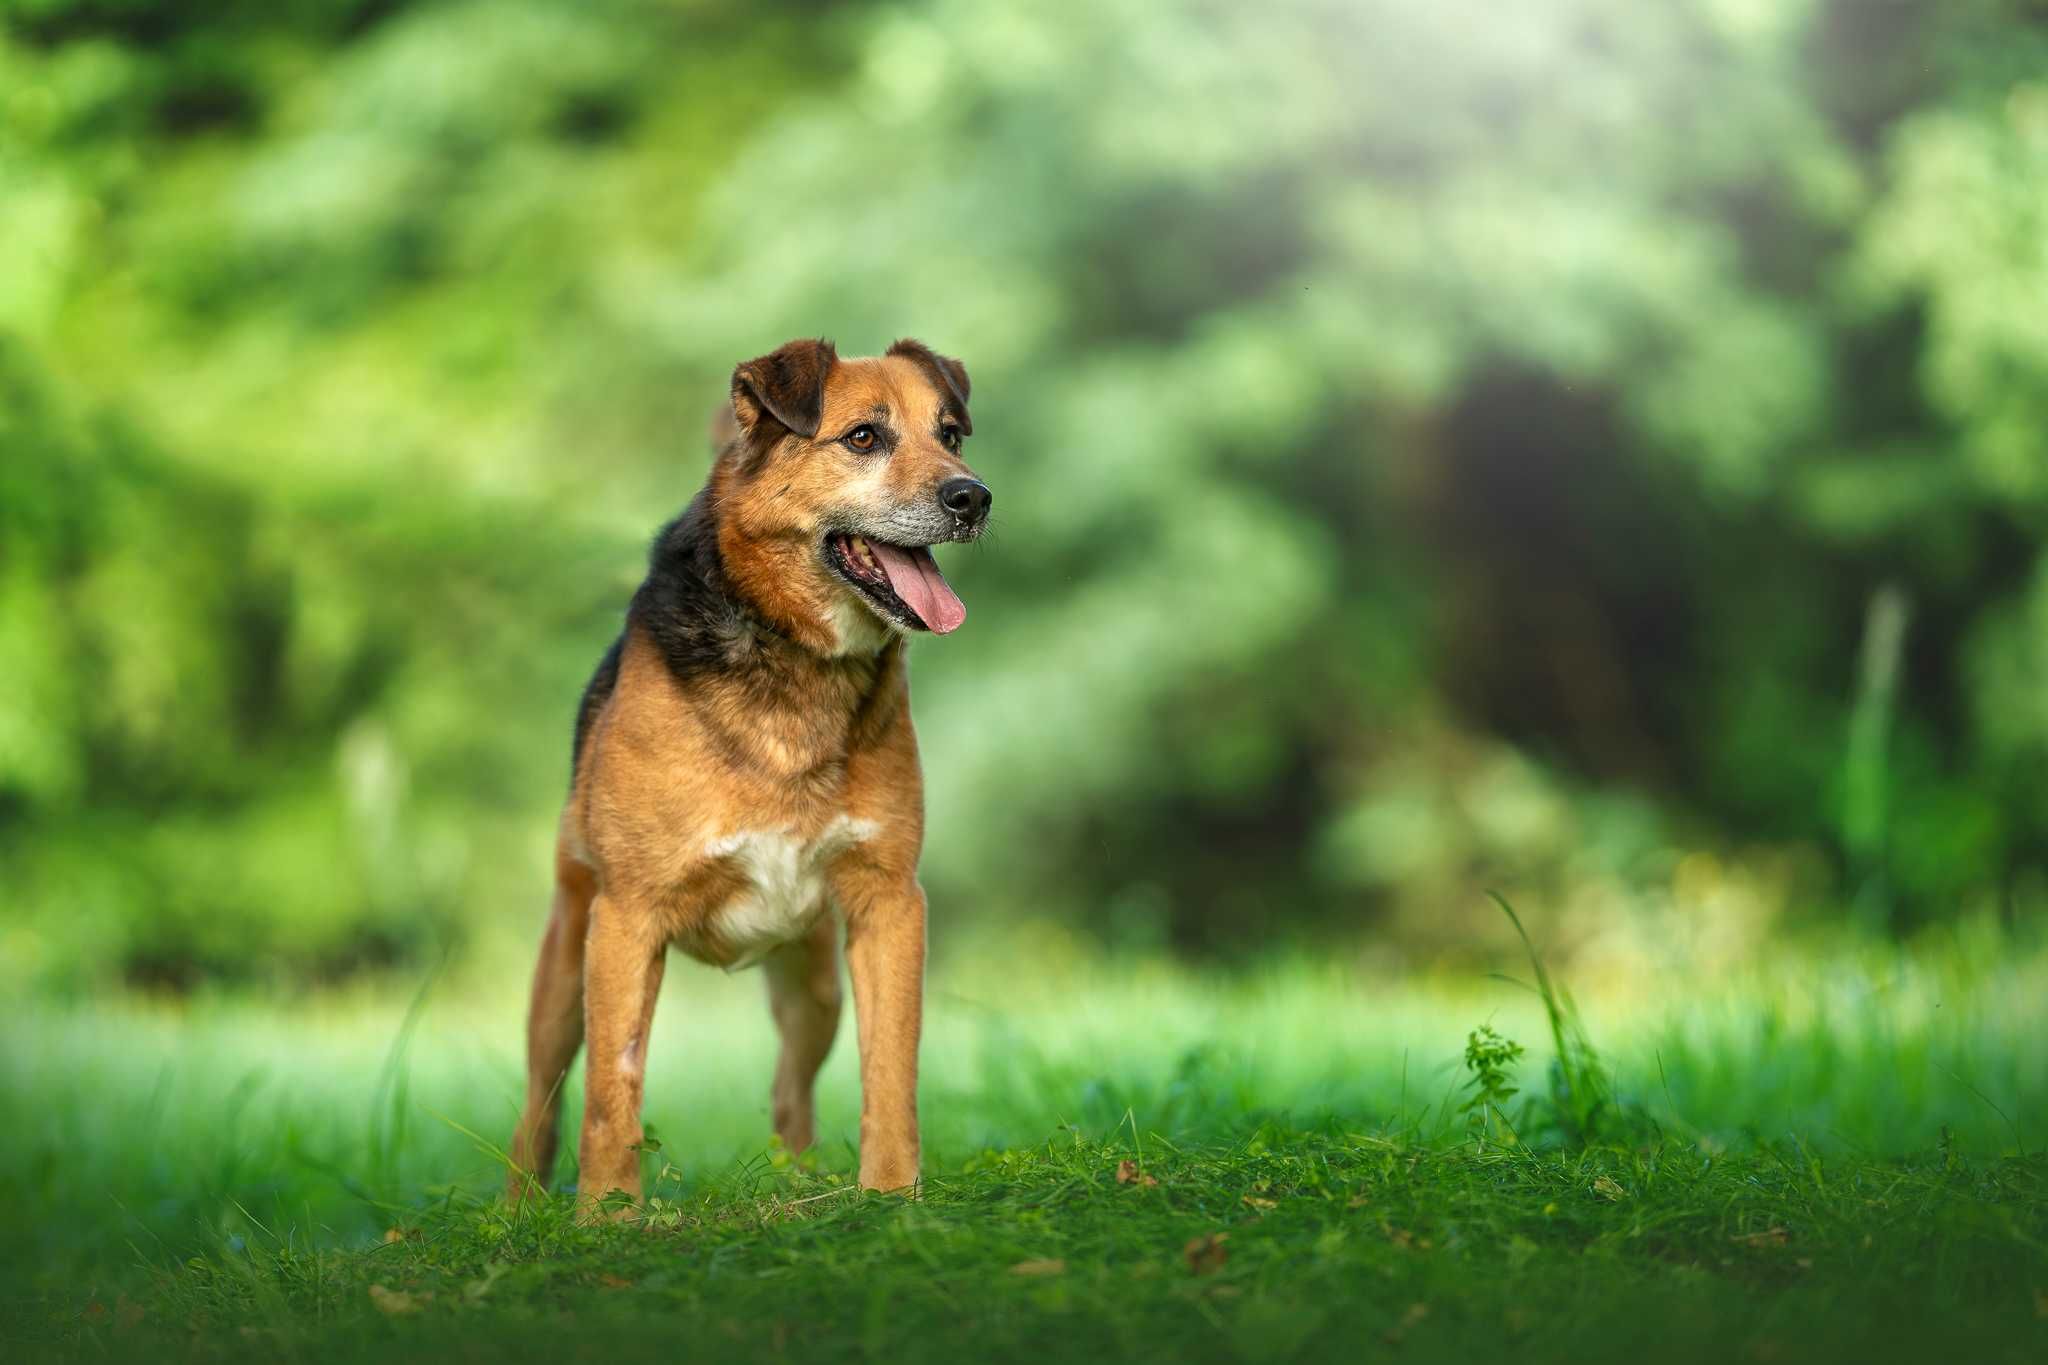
{"type": "Point", "coordinates": [686, 607]}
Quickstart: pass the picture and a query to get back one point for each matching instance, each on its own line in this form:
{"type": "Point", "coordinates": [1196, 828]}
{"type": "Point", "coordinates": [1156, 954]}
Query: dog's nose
{"type": "Point", "coordinates": [967, 499]}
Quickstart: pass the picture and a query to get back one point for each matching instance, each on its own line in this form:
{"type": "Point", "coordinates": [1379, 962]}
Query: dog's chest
{"type": "Point", "coordinates": [782, 888]}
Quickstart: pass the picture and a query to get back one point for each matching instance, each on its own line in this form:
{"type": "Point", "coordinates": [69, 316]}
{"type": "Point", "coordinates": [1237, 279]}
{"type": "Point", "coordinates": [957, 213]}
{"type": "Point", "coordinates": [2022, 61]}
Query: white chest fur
{"type": "Point", "coordinates": [785, 878]}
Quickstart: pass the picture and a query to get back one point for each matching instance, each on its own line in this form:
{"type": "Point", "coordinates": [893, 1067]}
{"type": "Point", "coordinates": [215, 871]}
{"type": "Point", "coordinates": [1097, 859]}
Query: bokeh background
{"type": "Point", "coordinates": [1586, 449]}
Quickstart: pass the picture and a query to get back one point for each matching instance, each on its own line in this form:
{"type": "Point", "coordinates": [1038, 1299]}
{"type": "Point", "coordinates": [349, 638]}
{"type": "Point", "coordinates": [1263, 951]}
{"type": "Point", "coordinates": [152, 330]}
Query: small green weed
{"type": "Point", "coordinates": [1490, 1058]}
{"type": "Point", "coordinates": [1581, 1106]}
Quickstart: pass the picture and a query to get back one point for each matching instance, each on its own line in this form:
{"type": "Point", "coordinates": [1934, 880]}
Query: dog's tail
{"type": "Point", "coordinates": [725, 427]}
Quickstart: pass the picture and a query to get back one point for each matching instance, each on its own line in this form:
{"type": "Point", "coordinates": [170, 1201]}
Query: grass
{"type": "Point", "coordinates": [1833, 1159]}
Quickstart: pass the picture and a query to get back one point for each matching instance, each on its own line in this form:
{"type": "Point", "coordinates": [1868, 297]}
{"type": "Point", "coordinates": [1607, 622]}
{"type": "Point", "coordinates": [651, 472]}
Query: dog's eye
{"type": "Point", "coordinates": [863, 438]}
{"type": "Point", "coordinates": [949, 437]}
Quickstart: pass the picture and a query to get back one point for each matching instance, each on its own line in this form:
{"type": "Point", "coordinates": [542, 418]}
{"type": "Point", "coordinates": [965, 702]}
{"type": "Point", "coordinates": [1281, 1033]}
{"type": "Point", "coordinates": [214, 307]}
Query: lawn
{"type": "Point", "coordinates": [1835, 1158]}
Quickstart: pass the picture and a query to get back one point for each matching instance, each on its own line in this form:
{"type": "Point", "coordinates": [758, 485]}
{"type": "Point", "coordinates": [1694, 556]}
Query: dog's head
{"type": "Point", "coordinates": [840, 476]}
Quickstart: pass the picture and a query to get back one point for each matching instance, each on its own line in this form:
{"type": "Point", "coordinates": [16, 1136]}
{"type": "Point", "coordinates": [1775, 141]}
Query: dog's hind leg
{"type": "Point", "coordinates": [554, 1028]}
{"type": "Point", "coordinates": [803, 995]}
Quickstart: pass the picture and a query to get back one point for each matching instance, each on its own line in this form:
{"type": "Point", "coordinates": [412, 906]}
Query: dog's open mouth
{"type": "Point", "coordinates": [903, 581]}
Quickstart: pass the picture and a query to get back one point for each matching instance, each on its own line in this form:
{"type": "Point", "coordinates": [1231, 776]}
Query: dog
{"type": "Point", "coordinates": [744, 760]}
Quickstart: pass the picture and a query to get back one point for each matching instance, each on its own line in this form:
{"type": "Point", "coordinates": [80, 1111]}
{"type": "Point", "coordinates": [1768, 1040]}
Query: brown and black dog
{"type": "Point", "coordinates": [745, 761]}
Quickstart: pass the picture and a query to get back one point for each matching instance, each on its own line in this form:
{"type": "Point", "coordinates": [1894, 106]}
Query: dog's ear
{"type": "Point", "coordinates": [949, 374]}
{"type": "Point", "coordinates": [786, 386]}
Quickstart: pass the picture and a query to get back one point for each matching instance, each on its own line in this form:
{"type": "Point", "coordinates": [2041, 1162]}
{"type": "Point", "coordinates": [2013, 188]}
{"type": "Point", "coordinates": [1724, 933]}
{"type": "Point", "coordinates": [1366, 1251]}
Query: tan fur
{"type": "Point", "coordinates": [671, 773]}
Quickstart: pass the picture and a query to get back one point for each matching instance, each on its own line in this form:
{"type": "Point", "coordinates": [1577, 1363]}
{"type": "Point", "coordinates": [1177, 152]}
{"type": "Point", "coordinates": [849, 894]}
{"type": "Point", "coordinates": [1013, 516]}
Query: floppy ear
{"type": "Point", "coordinates": [945, 371]}
{"type": "Point", "coordinates": [785, 386]}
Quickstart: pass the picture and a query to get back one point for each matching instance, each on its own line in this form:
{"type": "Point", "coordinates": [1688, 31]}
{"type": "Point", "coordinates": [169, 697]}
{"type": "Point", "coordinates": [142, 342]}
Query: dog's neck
{"type": "Point", "coordinates": [704, 616]}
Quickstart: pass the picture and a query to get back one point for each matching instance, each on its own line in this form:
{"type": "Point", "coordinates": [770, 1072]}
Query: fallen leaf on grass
{"type": "Point", "coordinates": [614, 1281]}
{"type": "Point", "coordinates": [1252, 1201]}
{"type": "Point", "coordinates": [1606, 1187]}
{"type": "Point", "coordinates": [1769, 1237]}
{"type": "Point", "coordinates": [1415, 1314]}
{"type": "Point", "coordinates": [1051, 1265]}
{"type": "Point", "coordinates": [1206, 1255]}
{"type": "Point", "coordinates": [394, 1302]}
{"type": "Point", "coordinates": [95, 1312]}
{"type": "Point", "coordinates": [1127, 1173]}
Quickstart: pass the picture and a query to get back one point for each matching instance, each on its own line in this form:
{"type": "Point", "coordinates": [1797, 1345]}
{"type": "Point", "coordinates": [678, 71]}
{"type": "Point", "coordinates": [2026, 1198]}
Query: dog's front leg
{"type": "Point", "coordinates": [885, 958]}
{"type": "Point", "coordinates": [623, 959]}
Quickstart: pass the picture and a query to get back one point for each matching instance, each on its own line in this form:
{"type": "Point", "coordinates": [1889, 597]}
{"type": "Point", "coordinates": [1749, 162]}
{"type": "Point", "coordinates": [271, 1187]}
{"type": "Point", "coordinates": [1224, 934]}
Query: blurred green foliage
{"type": "Point", "coordinates": [1434, 446]}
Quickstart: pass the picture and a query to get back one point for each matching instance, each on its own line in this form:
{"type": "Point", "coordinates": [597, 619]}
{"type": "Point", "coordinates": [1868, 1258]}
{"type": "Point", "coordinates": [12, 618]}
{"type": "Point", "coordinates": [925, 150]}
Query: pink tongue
{"type": "Point", "coordinates": [917, 580]}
